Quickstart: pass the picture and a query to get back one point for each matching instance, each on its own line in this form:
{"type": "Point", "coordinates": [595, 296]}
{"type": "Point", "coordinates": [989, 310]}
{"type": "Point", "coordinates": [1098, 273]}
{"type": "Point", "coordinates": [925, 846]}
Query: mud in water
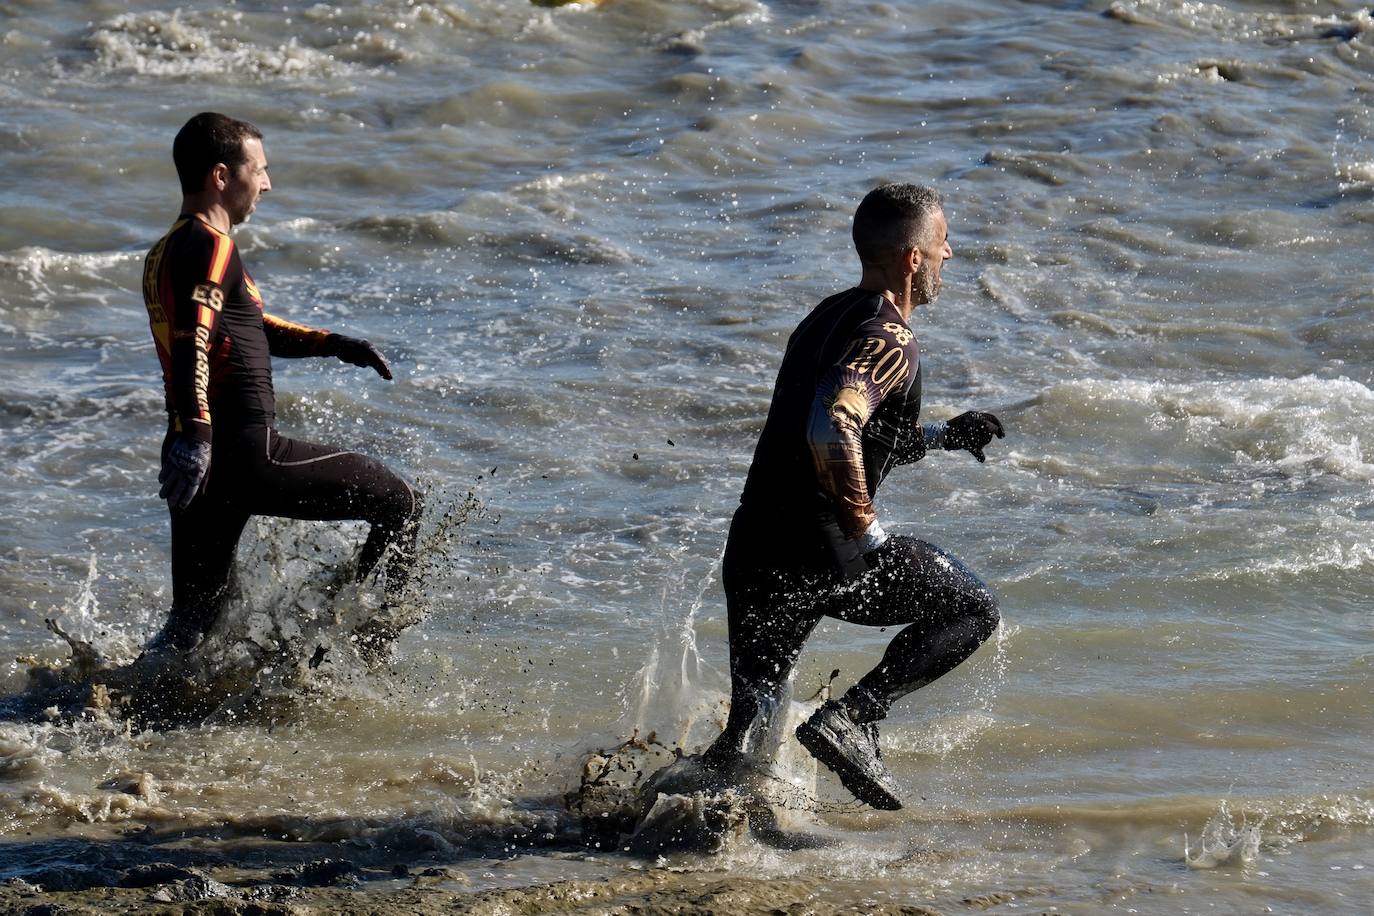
{"type": "Point", "coordinates": [647, 798]}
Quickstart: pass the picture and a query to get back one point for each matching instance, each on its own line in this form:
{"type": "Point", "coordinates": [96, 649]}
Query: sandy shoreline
{"type": "Point", "coordinates": [172, 889]}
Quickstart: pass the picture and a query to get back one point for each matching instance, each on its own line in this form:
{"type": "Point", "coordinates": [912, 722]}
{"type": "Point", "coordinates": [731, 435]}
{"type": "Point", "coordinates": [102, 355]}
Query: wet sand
{"type": "Point", "coordinates": [432, 889]}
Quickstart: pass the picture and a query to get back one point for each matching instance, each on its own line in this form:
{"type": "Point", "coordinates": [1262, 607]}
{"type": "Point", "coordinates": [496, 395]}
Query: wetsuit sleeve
{"type": "Point", "coordinates": [875, 362]}
{"type": "Point", "coordinates": [200, 276]}
{"type": "Point", "coordinates": [290, 340]}
{"type": "Point", "coordinates": [918, 440]}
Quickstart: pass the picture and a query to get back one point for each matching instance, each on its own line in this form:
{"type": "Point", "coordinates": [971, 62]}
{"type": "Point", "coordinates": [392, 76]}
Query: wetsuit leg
{"type": "Point", "coordinates": [769, 623]}
{"type": "Point", "coordinates": [295, 479]}
{"type": "Point", "coordinates": [948, 610]}
{"type": "Point", "coordinates": [256, 472]}
{"type": "Point", "coordinates": [945, 610]}
{"type": "Point", "coordinates": [771, 611]}
{"type": "Point", "coordinates": [204, 536]}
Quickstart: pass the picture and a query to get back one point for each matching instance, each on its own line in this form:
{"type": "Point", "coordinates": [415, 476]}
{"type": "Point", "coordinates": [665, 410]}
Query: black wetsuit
{"type": "Point", "coordinates": [845, 411]}
{"type": "Point", "coordinates": [215, 344]}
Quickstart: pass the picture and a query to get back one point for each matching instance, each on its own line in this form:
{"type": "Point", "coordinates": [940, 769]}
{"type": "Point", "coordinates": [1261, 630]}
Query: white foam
{"type": "Point", "coordinates": [197, 44]}
{"type": "Point", "coordinates": [1228, 23]}
{"type": "Point", "coordinates": [49, 275]}
{"type": "Point", "coordinates": [739, 15]}
{"type": "Point", "coordinates": [92, 807]}
{"type": "Point", "coordinates": [557, 182]}
{"type": "Point", "coordinates": [1309, 423]}
{"type": "Point", "coordinates": [1344, 545]}
{"type": "Point", "coordinates": [1355, 176]}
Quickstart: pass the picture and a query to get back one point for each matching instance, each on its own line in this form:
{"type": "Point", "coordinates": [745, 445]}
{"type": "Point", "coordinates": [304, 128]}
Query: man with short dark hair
{"type": "Point", "coordinates": [222, 459]}
{"type": "Point", "coordinates": [805, 542]}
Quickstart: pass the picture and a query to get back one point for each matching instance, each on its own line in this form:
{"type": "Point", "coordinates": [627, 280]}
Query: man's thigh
{"type": "Point", "coordinates": [912, 581]}
{"type": "Point", "coordinates": [297, 479]}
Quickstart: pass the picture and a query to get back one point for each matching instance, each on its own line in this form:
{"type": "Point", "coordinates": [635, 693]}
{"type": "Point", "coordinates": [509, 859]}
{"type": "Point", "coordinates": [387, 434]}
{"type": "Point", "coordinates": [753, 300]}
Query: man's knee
{"type": "Point", "coordinates": [415, 506]}
{"type": "Point", "coordinates": [399, 507]}
{"type": "Point", "coordinates": [982, 610]}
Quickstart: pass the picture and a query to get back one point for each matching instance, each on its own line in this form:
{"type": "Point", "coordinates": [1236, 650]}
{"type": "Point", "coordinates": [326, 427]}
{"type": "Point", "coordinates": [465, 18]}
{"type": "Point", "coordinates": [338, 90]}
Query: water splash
{"type": "Point", "coordinates": [678, 693]}
{"type": "Point", "coordinates": [651, 798]}
{"type": "Point", "coordinates": [286, 631]}
{"type": "Point", "coordinates": [987, 689]}
{"type": "Point", "coordinates": [629, 802]}
{"type": "Point", "coordinates": [1223, 842]}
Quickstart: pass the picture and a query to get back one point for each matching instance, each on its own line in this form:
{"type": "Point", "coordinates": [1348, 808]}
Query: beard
{"type": "Point", "coordinates": [242, 214]}
{"type": "Point", "coordinates": [926, 282]}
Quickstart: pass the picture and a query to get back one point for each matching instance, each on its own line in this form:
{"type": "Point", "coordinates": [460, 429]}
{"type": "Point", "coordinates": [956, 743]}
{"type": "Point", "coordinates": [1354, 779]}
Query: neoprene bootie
{"type": "Point", "coordinates": [850, 750]}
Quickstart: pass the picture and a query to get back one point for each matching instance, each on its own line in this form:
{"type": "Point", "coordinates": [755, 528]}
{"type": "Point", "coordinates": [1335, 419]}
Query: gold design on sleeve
{"type": "Point", "coordinates": [899, 333]}
{"type": "Point", "coordinates": [891, 370]}
{"type": "Point", "coordinates": [867, 352]}
{"type": "Point", "coordinates": [852, 402]}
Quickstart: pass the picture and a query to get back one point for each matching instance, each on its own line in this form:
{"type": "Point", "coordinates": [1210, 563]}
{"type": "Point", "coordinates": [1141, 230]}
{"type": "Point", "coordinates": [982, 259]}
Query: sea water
{"type": "Point", "coordinates": [582, 235]}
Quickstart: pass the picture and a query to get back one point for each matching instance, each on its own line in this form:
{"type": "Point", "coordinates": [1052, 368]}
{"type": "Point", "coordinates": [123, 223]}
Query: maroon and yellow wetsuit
{"type": "Point", "coordinates": [216, 345]}
{"type": "Point", "coordinates": [213, 338]}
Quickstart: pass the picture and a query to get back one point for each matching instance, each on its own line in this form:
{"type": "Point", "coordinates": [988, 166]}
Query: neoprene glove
{"type": "Point", "coordinates": [972, 431]}
{"type": "Point", "coordinates": [183, 471]}
{"type": "Point", "coordinates": [358, 352]}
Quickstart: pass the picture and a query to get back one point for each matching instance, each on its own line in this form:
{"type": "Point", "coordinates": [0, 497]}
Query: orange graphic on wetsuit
{"type": "Point", "coordinates": [219, 261]}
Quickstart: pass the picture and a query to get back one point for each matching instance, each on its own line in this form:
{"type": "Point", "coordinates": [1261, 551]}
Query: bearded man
{"type": "Point", "coordinates": [805, 542]}
{"type": "Point", "coordinates": [223, 460]}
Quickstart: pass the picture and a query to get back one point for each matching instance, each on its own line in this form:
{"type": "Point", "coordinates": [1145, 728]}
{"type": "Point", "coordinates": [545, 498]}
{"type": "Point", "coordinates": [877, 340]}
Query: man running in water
{"type": "Point", "coordinates": [223, 460]}
{"type": "Point", "coordinates": [806, 543]}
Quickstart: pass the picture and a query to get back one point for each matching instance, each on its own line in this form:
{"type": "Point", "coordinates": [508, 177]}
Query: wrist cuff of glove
{"type": "Point", "coordinates": [197, 431]}
{"type": "Point", "coordinates": [872, 538]}
{"type": "Point", "coordinates": [934, 434]}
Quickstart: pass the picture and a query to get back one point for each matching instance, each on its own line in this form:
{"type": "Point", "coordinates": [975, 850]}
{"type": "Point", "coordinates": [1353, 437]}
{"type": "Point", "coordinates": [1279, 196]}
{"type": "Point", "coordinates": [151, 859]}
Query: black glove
{"type": "Point", "coordinates": [357, 352]}
{"type": "Point", "coordinates": [972, 431]}
{"type": "Point", "coordinates": [183, 471]}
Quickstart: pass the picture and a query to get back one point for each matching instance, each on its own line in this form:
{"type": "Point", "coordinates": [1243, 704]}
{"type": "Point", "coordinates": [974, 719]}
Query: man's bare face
{"type": "Point", "coordinates": [248, 181]}
{"type": "Point", "coordinates": [925, 283]}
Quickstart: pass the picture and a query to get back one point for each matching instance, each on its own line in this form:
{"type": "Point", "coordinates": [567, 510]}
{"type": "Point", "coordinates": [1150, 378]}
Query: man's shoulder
{"type": "Point", "coordinates": [856, 298]}
{"type": "Point", "coordinates": [889, 323]}
{"type": "Point", "coordinates": [836, 313]}
{"type": "Point", "coordinates": [874, 315]}
{"type": "Point", "coordinates": [189, 234]}
{"type": "Point", "coordinates": [195, 246]}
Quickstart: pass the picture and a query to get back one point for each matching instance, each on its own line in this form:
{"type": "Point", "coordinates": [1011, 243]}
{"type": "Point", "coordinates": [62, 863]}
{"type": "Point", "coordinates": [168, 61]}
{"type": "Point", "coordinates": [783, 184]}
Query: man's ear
{"type": "Point", "coordinates": [218, 179]}
{"type": "Point", "coordinates": [911, 259]}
